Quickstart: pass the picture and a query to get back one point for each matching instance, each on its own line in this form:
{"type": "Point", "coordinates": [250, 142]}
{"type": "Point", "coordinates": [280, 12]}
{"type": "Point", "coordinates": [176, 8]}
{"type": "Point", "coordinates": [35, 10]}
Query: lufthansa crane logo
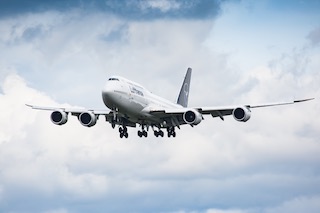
{"type": "Point", "coordinates": [186, 89]}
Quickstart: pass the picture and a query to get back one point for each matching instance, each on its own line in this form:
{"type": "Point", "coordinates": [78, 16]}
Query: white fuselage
{"type": "Point", "coordinates": [130, 98]}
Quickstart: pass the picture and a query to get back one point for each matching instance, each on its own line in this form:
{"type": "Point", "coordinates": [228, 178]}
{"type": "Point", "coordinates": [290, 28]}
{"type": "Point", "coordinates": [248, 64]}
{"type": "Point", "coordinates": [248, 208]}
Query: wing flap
{"type": "Point", "coordinates": [168, 111]}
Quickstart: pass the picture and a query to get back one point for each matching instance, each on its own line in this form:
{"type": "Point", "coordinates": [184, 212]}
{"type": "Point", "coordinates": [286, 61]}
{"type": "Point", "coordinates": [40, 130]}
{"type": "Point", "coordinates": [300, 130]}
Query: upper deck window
{"type": "Point", "coordinates": [113, 79]}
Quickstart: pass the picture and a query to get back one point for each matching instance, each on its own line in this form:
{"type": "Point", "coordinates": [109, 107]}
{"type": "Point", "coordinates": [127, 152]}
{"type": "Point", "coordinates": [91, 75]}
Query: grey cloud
{"type": "Point", "coordinates": [16, 7]}
{"type": "Point", "coordinates": [265, 163]}
{"type": "Point", "coordinates": [30, 33]}
{"type": "Point", "coordinates": [143, 9]}
{"type": "Point", "coordinates": [314, 36]}
{"type": "Point", "coordinates": [133, 9]}
{"type": "Point", "coordinates": [298, 204]}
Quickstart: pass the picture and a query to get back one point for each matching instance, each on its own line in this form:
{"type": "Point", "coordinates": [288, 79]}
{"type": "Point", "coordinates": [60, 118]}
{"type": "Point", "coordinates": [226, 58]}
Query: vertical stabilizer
{"type": "Point", "coordinates": [184, 92]}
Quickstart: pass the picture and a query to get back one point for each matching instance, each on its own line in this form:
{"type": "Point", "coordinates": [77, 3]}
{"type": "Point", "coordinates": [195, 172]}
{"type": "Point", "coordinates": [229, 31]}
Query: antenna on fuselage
{"type": "Point", "coordinates": [184, 91]}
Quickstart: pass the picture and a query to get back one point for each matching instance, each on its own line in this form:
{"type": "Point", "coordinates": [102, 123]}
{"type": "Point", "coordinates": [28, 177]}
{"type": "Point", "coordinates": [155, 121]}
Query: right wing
{"type": "Point", "coordinates": [240, 113]}
{"type": "Point", "coordinates": [228, 110]}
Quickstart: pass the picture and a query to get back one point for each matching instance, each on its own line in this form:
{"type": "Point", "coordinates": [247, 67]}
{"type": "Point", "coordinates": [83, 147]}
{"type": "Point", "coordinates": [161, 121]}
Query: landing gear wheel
{"type": "Point", "coordinates": [158, 133]}
{"type": "Point", "coordinates": [171, 132]}
{"type": "Point", "coordinates": [142, 133]}
{"type": "Point", "coordinates": [123, 132]}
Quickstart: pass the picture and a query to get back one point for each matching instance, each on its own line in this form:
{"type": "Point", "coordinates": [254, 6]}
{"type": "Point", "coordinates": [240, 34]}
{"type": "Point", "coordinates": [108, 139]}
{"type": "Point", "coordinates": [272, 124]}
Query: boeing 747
{"type": "Point", "coordinates": [130, 104]}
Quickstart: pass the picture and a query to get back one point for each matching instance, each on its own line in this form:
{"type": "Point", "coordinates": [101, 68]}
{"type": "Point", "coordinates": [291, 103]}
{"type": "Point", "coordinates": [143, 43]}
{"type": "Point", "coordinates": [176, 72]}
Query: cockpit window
{"type": "Point", "coordinates": [113, 79]}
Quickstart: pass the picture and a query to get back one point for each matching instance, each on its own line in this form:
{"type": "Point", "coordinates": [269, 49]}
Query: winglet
{"type": "Point", "coordinates": [184, 92]}
{"type": "Point", "coordinates": [303, 100]}
{"type": "Point", "coordinates": [283, 103]}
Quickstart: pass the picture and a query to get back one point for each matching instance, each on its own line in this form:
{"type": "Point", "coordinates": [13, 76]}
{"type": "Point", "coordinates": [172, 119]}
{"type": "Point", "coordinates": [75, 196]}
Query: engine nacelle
{"type": "Point", "coordinates": [242, 114]}
{"type": "Point", "coordinates": [59, 117]}
{"type": "Point", "coordinates": [88, 119]}
{"type": "Point", "coordinates": [192, 117]}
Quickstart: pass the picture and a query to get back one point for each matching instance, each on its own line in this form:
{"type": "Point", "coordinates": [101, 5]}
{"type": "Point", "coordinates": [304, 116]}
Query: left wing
{"type": "Point", "coordinates": [73, 111]}
{"type": "Point", "coordinates": [86, 117]}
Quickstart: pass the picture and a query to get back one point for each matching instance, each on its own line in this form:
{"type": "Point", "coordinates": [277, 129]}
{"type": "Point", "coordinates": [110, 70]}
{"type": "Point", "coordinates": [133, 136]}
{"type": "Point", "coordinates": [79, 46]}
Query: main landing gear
{"type": "Point", "coordinates": [171, 132]}
{"type": "Point", "coordinates": [123, 132]}
{"type": "Point", "coordinates": [158, 133]}
{"type": "Point", "coordinates": [143, 133]}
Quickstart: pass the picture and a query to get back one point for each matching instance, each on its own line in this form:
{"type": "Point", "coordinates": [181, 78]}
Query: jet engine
{"type": "Point", "coordinates": [242, 114]}
{"type": "Point", "coordinates": [192, 117]}
{"type": "Point", "coordinates": [88, 119]}
{"type": "Point", "coordinates": [59, 117]}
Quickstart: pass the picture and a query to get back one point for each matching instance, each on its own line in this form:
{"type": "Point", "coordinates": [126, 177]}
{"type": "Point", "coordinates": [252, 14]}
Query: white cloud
{"type": "Point", "coordinates": [225, 211]}
{"type": "Point", "coordinates": [57, 211]}
{"type": "Point", "coordinates": [34, 157]}
{"type": "Point", "coordinates": [214, 211]}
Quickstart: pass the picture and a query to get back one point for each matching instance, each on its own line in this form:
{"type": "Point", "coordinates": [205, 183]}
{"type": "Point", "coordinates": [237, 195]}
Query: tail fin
{"type": "Point", "coordinates": [184, 92]}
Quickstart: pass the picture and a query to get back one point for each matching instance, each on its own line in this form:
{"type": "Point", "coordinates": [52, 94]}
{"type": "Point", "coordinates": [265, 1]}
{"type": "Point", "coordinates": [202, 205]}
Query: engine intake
{"type": "Point", "coordinates": [192, 117]}
{"type": "Point", "coordinates": [59, 117]}
{"type": "Point", "coordinates": [242, 114]}
{"type": "Point", "coordinates": [88, 119]}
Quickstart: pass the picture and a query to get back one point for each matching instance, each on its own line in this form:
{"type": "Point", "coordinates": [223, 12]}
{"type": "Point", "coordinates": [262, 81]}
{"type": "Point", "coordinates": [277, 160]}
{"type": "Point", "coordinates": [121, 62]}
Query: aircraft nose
{"type": "Point", "coordinates": [109, 93]}
{"type": "Point", "coordinates": [108, 90]}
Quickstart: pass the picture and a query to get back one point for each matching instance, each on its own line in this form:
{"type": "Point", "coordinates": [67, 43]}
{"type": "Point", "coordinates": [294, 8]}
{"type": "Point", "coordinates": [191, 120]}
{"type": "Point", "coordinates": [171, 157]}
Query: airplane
{"type": "Point", "coordinates": [130, 104]}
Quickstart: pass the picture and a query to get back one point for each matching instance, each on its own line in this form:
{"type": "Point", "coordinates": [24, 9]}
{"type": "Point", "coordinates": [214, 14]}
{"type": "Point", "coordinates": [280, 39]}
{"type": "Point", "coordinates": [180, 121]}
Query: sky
{"type": "Point", "coordinates": [60, 53]}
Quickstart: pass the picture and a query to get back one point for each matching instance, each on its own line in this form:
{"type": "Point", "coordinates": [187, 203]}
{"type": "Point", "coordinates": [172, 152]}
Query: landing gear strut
{"type": "Point", "coordinates": [114, 119]}
{"type": "Point", "coordinates": [123, 132]}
